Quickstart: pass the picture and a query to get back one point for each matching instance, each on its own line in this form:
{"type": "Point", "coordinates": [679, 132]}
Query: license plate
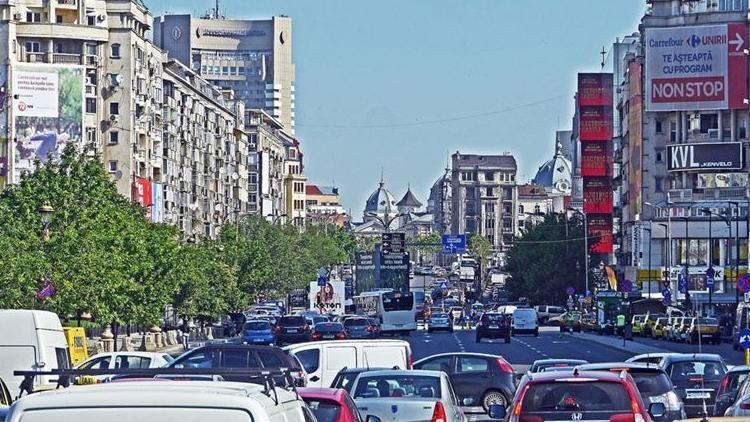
{"type": "Point", "coordinates": [494, 326]}
{"type": "Point", "coordinates": [697, 395]}
{"type": "Point", "coordinates": [328, 336]}
{"type": "Point", "coordinates": [399, 325]}
{"type": "Point", "coordinates": [291, 331]}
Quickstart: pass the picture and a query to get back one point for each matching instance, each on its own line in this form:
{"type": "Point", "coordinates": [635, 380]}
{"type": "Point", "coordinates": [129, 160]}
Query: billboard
{"type": "Point", "coordinates": [705, 156]}
{"type": "Point", "coordinates": [597, 195]}
{"type": "Point", "coordinates": [365, 272]}
{"type": "Point", "coordinates": [596, 159]}
{"type": "Point", "coordinates": [157, 202]}
{"type": "Point", "coordinates": [595, 123]}
{"type": "Point", "coordinates": [696, 67]}
{"type": "Point", "coordinates": [142, 194]}
{"type": "Point", "coordinates": [394, 271]}
{"type": "Point", "coordinates": [595, 89]}
{"type": "Point", "coordinates": [328, 299]}
{"type": "Point", "coordinates": [47, 113]}
{"type": "Point", "coordinates": [600, 233]}
{"type": "Point", "coordinates": [635, 137]}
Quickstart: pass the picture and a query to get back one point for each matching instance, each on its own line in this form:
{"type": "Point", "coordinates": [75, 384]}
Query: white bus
{"type": "Point", "coordinates": [396, 311]}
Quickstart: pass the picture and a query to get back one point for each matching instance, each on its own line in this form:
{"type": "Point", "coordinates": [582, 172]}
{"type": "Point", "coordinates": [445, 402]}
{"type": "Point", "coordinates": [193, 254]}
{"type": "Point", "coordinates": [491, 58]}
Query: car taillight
{"type": "Point", "coordinates": [504, 366]}
{"type": "Point", "coordinates": [622, 417]}
{"type": "Point", "coordinates": [277, 329]}
{"type": "Point", "coordinates": [409, 362]}
{"type": "Point", "coordinates": [745, 405]}
{"type": "Point", "coordinates": [724, 382]}
{"type": "Point", "coordinates": [438, 415]}
{"type": "Point", "coordinates": [370, 328]}
{"type": "Point", "coordinates": [340, 335]}
{"type": "Point", "coordinates": [515, 416]}
{"type": "Point", "coordinates": [316, 336]}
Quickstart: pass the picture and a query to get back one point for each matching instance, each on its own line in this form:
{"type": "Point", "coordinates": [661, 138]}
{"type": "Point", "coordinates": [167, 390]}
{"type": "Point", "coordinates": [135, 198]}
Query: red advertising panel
{"type": "Point", "coordinates": [701, 67]}
{"type": "Point", "coordinates": [595, 89]}
{"type": "Point", "coordinates": [142, 192]}
{"type": "Point", "coordinates": [600, 234]}
{"type": "Point", "coordinates": [596, 123]}
{"type": "Point", "coordinates": [596, 159]}
{"type": "Point", "coordinates": [597, 195]}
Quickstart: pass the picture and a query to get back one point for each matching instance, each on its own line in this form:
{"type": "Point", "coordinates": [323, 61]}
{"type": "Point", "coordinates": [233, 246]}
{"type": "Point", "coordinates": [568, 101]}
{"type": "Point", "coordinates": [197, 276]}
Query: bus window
{"type": "Point", "coordinates": [393, 301]}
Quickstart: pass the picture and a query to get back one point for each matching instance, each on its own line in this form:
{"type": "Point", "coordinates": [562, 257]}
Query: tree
{"type": "Point", "coordinates": [479, 246]}
{"type": "Point", "coordinates": [426, 245]}
{"type": "Point", "coordinates": [547, 259]}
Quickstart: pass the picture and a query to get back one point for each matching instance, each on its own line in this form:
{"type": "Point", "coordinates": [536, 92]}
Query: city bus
{"type": "Point", "coordinates": [396, 311]}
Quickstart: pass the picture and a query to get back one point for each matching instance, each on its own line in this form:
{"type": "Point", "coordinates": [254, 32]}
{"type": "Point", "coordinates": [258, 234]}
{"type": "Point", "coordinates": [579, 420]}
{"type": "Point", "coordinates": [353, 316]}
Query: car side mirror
{"type": "Point", "coordinates": [467, 401]}
{"type": "Point", "coordinates": [497, 411]}
{"type": "Point", "coordinates": [372, 418]}
{"type": "Point", "coordinates": [657, 410]}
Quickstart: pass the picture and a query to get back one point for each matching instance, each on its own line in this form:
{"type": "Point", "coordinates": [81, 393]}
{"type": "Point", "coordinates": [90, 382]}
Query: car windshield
{"type": "Point", "coordinates": [344, 380]}
{"type": "Point", "coordinates": [257, 326]}
{"type": "Point", "coordinates": [394, 301]}
{"type": "Point", "coordinates": [329, 327]}
{"type": "Point", "coordinates": [397, 386]}
{"type": "Point", "coordinates": [558, 397]}
{"type": "Point", "coordinates": [324, 410]}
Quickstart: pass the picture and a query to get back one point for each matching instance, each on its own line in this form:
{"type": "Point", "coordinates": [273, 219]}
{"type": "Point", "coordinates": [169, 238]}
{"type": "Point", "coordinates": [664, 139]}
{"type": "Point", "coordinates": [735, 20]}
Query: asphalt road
{"type": "Point", "coordinates": [731, 356]}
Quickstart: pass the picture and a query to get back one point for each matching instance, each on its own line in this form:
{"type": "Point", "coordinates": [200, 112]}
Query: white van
{"type": "Point", "coordinates": [525, 321]}
{"type": "Point", "coordinates": [29, 341]}
{"type": "Point", "coordinates": [322, 360]}
{"type": "Point", "coordinates": [160, 401]}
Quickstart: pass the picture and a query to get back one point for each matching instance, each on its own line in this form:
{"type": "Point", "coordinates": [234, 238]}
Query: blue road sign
{"type": "Point", "coordinates": [570, 291]}
{"type": "Point", "coordinates": [454, 243]}
{"type": "Point", "coordinates": [710, 273]}
{"type": "Point", "coordinates": [744, 338]}
{"type": "Point", "coordinates": [443, 285]}
{"type": "Point", "coordinates": [322, 281]}
{"type": "Point", "coordinates": [626, 285]}
{"type": "Point", "coordinates": [666, 292]}
{"type": "Point", "coordinates": [682, 283]}
{"type": "Point", "coordinates": [322, 272]}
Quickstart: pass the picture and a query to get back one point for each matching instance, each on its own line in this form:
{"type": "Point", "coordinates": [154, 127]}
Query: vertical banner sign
{"type": "Point", "coordinates": [596, 123]}
{"type": "Point", "coordinates": [47, 113]}
{"type": "Point", "coordinates": [595, 89]}
{"type": "Point", "coordinates": [157, 202]}
{"type": "Point", "coordinates": [596, 159]}
{"type": "Point", "coordinates": [597, 195]}
{"type": "Point", "coordinates": [600, 233]}
{"type": "Point", "coordinates": [365, 271]}
{"type": "Point", "coordinates": [696, 67]}
{"type": "Point", "coordinates": [635, 137]}
{"type": "Point", "coordinates": [142, 194]}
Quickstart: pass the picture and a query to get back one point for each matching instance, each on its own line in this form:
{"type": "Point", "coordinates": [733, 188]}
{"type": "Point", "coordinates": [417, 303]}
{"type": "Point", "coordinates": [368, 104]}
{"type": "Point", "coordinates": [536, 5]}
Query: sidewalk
{"type": "Point", "coordinates": [617, 343]}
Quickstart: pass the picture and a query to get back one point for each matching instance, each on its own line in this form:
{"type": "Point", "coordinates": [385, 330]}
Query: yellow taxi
{"type": "Point", "coordinates": [703, 329]}
{"type": "Point", "coordinates": [660, 325]}
{"type": "Point", "coordinates": [637, 324]}
{"type": "Point", "coordinates": [671, 331]}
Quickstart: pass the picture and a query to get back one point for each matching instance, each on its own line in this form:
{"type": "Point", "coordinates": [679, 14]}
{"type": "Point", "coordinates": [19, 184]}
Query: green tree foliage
{"type": "Point", "coordinates": [542, 263]}
{"type": "Point", "coordinates": [479, 246]}
{"type": "Point", "coordinates": [425, 246]}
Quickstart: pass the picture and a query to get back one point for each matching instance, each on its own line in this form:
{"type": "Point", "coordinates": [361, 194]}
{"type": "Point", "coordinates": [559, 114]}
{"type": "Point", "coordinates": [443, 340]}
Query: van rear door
{"type": "Point", "coordinates": [335, 359]}
{"type": "Point", "coordinates": [385, 356]}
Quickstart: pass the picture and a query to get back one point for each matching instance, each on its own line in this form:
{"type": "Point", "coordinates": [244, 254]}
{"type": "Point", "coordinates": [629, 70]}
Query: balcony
{"type": "Point", "coordinates": [66, 58]}
{"type": "Point", "coordinates": [67, 4]}
{"type": "Point", "coordinates": [62, 31]}
{"type": "Point", "coordinates": [720, 194]}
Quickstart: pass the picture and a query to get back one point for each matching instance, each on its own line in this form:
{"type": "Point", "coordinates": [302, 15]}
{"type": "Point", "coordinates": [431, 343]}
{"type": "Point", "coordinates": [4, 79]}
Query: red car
{"type": "Point", "coordinates": [579, 396]}
{"type": "Point", "coordinates": [330, 404]}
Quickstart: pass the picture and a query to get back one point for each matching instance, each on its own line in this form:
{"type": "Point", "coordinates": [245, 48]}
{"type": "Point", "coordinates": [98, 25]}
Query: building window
{"type": "Point", "coordinates": [672, 131]}
{"type": "Point", "coordinates": [537, 209]}
{"type": "Point", "coordinates": [489, 175]}
{"type": "Point", "coordinates": [659, 184]}
{"type": "Point", "coordinates": [659, 156]}
{"type": "Point", "coordinates": [33, 17]}
{"type": "Point", "coordinates": [112, 166]}
{"type": "Point", "coordinates": [709, 121]}
{"type": "Point", "coordinates": [90, 20]}
{"type": "Point", "coordinates": [490, 191]}
{"type": "Point", "coordinates": [489, 208]}
{"type": "Point", "coordinates": [489, 223]}
{"type": "Point", "coordinates": [114, 137]}
{"type": "Point", "coordinates": [114, 108]}
{"type": "Point", "coordinates": [115, 51]}
{"type": "Point", "coordinates": [520, 209]}
{"type": "Point", "coordinates": [659, 125]}
{"type": "Point", "coordinates": [33, 47]}
{"type": "Point", "coordinates": [90, 105]}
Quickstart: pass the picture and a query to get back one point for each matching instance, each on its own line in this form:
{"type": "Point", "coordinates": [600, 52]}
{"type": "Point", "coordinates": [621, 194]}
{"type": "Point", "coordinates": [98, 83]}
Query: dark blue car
{"type": "Point", "coordinates": [258, 332]}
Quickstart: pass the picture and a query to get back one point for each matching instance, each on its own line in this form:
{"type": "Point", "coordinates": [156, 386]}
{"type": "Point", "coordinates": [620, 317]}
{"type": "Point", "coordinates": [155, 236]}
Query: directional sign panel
{"type": "Point", "coordinates": [744, 339]}
{"type": "Point", "coordinates": [393, 243]}
{"type": "Point", "coordinates": [454, 243]}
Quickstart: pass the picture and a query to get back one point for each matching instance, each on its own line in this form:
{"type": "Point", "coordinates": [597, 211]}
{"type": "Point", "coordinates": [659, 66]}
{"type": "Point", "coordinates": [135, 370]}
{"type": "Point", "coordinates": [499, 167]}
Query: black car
{"type": "Point", "coordinates": [653, 385]}
{"type": "Point", "coordinates": [329, 331]}
{"type": "Point", "coordinates": [697, 378]}
{"type": "Point", "coordinates": [292, 329]}
{"type": "Point", "coordinates": [229, 355]}
{"type": "Point", "coordinates": [494, 325]}
{"type": "Point", "coordinates": [478, 379]}
{"type": "Point", "coordinates": [542, 365]}
{"type": "Point", "coordinates": [359, 327]}
{"type": "Point", "coordinates": [730, 386]}
{"type": "Point", "coordinates": [346, 376]}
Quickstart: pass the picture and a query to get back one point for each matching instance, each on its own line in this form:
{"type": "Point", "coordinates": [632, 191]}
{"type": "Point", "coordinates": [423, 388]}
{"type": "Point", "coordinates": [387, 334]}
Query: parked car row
{"type": "Point", "coordinates": [678, 328]}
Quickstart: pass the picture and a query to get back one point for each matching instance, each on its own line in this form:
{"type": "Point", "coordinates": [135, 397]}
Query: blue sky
{"type": "Point", "coordinates": [362, 65]}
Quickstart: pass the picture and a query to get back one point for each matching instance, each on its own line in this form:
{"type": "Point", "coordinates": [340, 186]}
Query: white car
{"type": "Point", "coordinates": [125, 360]}
{"type": "Point", "coordinates": [161, 401]}
{"type": "Point", "coordinates": [401, 395]}
{"type": "Point", "coordinates": [525, 322]}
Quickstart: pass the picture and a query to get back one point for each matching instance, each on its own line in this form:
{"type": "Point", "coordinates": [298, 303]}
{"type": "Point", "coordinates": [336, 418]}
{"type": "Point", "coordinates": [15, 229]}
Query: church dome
{"type": "Point", "coordinates": [381, 202]}
{"type": "Point", "coordinates": [556, 174]}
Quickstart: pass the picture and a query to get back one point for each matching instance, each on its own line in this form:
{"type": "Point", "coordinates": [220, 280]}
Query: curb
{"type": "Point", "coordinates": [631, 346]}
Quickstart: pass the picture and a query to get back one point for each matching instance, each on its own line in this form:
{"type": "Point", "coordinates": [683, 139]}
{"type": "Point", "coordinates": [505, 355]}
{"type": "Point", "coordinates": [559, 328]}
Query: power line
{"type": "Point", "coordinates": [436, 121]}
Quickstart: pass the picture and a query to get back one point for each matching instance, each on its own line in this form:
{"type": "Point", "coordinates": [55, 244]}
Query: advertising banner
{"type": "Point", "coordinates": [157, 202]}
{"type": "Point", "coordinates": [47, 113]}
{"type": "Point", "coordinates": [696, 67]}
{"type": "Point", "coordinates": [142, 192]}
{"type": "Point", "coordinates": [596, 123]}
{"type": "Point", "coordinates": [596, 159]}
{"type": "Point", "coordinates": [394, 271]}
{"type": "Point", "coordinates": [328, 299]}
{"type": "Point", "coordinates": [705, 156]}
{"type": "Point", "coordinates": [597, 195]}
{"type": "Point", "coordinates": [595, 89]}
{"type": "Point", "coordinates": [635, 137]}
{"type": "Point", "coordinates": [600, 234]}
{"type": "Point", "coordinates": [365, 272]}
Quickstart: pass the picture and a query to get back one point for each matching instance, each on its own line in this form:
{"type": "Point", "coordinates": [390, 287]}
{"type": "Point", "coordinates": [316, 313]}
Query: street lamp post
{"type": "Point", "coordinates": [709, 272]}
{"type": "Point", "coordinates": [648, 229]}
{"type": "Point", "coordinates": [46, 211]}
{"type": "Point", "coordinates": [387, 221]}
{"type": "Point", "coordinates": [737, 250]}
{"type": "Point", "coordinates": [585, 246]}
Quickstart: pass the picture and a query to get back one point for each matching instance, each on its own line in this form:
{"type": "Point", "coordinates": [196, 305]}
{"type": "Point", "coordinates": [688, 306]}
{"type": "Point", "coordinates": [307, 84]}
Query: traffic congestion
{"type": "Point", "coordinates": [373, 361]}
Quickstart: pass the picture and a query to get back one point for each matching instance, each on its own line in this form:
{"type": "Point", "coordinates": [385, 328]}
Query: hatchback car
{"type": "Point", "coordinates": [478, 379]}
{"type": "Point", "coordinates": [493, 325]}
{"type": "Point", "coordinates": [439, 321]}
{"type": "Point", "coordinates": [329, 331]}
{"type": "Point", "coordinates": [292, 329]}
{"type": "Point", "coordinates": [696, 377]}
{"type": "Point", "coordinates": [124, 360]}
{"type": "Point", "coordinates": [258, 332]}
{"type": "Point", "coordinates": [330, 405]}
{"type": "Point", "coordinates": [704, 330]}
{"type": "Point", "coordinates": [579, 395]}
{"type": "Point", "coordinates": [358, 327]}
{"type": "Point", "coordinates": [730, 387]}
{"type": "Point", "coordinates": [541, 365]}
{"type": "Point", "coordinates": [653, 385]}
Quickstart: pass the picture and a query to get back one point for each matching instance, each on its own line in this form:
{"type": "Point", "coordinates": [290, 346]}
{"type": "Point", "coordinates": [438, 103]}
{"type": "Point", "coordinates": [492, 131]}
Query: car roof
{"type": "Point", "coordinates": [360, 370]}
{"type": "Point", "coordinates": [640, 367]}
{"type": "Point", "coordinates": [542, 361]}
{"type": "Point", "coordinates": [541, 377]}
{"type": "Point", "coordinates": [236, 346]}
{"type": "Point", "coordinates": [484, 355]}
{"type": "Point", "coordinates": [335, 394]}
{"type": "Point", "coordinates": [134, 353]}
{"type": "Point", "coordinates": [686, 357]}
{"type": "Point", "coordinates": [423, 372]}
{"type": "Point", "coordinates": [739, 368]}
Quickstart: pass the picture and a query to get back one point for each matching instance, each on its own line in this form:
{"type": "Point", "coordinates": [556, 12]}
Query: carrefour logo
{"type": "Point", "coordinates": [694, 41]}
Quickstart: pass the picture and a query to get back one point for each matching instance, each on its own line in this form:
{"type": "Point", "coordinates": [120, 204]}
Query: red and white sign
{"type": "Point", "coordinates": [696, 67]}
{"type": "Point", "coordinates": [599, 232]}
{"type": "Point", "coordinates": [597, 195]}
{"type": "Point", "coordinates": [596, 159]}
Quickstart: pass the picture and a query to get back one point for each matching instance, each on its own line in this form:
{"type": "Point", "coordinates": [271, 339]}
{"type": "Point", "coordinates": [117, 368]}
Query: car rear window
{"type": "Point", "coordinates": [258, 325]}
{"type": "Point", "coordinates": [398, 386]}
{"type": "Point", "coordinates": [594, 396]}
{"type": "Point", "coordinates": [493, 317]}
{"type": "Point", "coordinates": [289, 321]}
{"type": "Point", "coordinates": [271, 360]}
{"type": "Point", "coordinates": [708, 370]}
{"type": "Point", "coordinates": [440, 315]}
{"type": "Point", "coordinates": [329, 326]}
{"type": "Point", "coordinates": [652, 383]}
{"type": "Point", "coordinates": [324, 410]}
{"type": "Point", "coordinates": [708, 321]}
{"type": "Point", "coordinates": [356, 322]}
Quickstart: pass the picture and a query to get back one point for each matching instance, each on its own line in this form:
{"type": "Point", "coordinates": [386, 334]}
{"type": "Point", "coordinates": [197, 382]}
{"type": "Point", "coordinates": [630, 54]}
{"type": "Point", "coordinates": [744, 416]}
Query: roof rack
{"type": "Point", "coordinates": [267, 376]}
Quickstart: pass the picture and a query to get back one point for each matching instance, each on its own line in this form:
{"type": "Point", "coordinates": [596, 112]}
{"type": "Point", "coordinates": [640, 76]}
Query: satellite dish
{"type": "Point", "coordinates": [235, 176]}
{"type": "Point", "coordinates": [118, 175]}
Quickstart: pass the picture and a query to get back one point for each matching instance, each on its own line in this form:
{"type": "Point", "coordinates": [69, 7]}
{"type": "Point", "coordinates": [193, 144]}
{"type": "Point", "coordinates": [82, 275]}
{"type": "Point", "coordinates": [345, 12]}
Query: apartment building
{"type": "Point", "coordinates": [484, 197]}
{"type": "Point", "coordinates": [683, 177]}
{"type": "Point", "coordinates": [266, 139]}
{"type": "Point", "coordinates": [324, 205]}
{"type": "Point", "coordinates": [252, 57]}
{"type": "Point", "coordinates": [294, 183]}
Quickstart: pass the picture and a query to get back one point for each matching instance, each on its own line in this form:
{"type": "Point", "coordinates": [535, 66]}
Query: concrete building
{"type": "Point", "coordinates": [439, 203]}
{"type": "Point", "coordinates": [294, 184]}
{"type": "Point", "coordinates": [685, 215]}
{"type": "Point", "coordinates": [267, 142]}
{"type": "Point", "coordinates": [533, 204]}
{"type": "Point", "coordinates": [484, 197]}
{"type": "Point", "coordinates": [324, 205]}
{"type": "Point", "coordinates": [252, 57]}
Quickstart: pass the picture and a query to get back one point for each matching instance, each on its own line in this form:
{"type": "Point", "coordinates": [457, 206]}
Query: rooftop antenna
{"type": "Point", "coordinates": [381, 176]}
{"type": "Point", "coordinates": [603, 53]}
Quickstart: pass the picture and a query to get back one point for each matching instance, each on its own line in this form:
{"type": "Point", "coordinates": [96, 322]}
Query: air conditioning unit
{"type": "Point", "coordinates": [713, 134]}
{"type": "Point", "coordinates": [114, 119]}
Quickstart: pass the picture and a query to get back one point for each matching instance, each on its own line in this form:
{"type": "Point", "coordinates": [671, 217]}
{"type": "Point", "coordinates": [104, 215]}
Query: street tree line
{"type": "Point", "coordinates": [105, 258]}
